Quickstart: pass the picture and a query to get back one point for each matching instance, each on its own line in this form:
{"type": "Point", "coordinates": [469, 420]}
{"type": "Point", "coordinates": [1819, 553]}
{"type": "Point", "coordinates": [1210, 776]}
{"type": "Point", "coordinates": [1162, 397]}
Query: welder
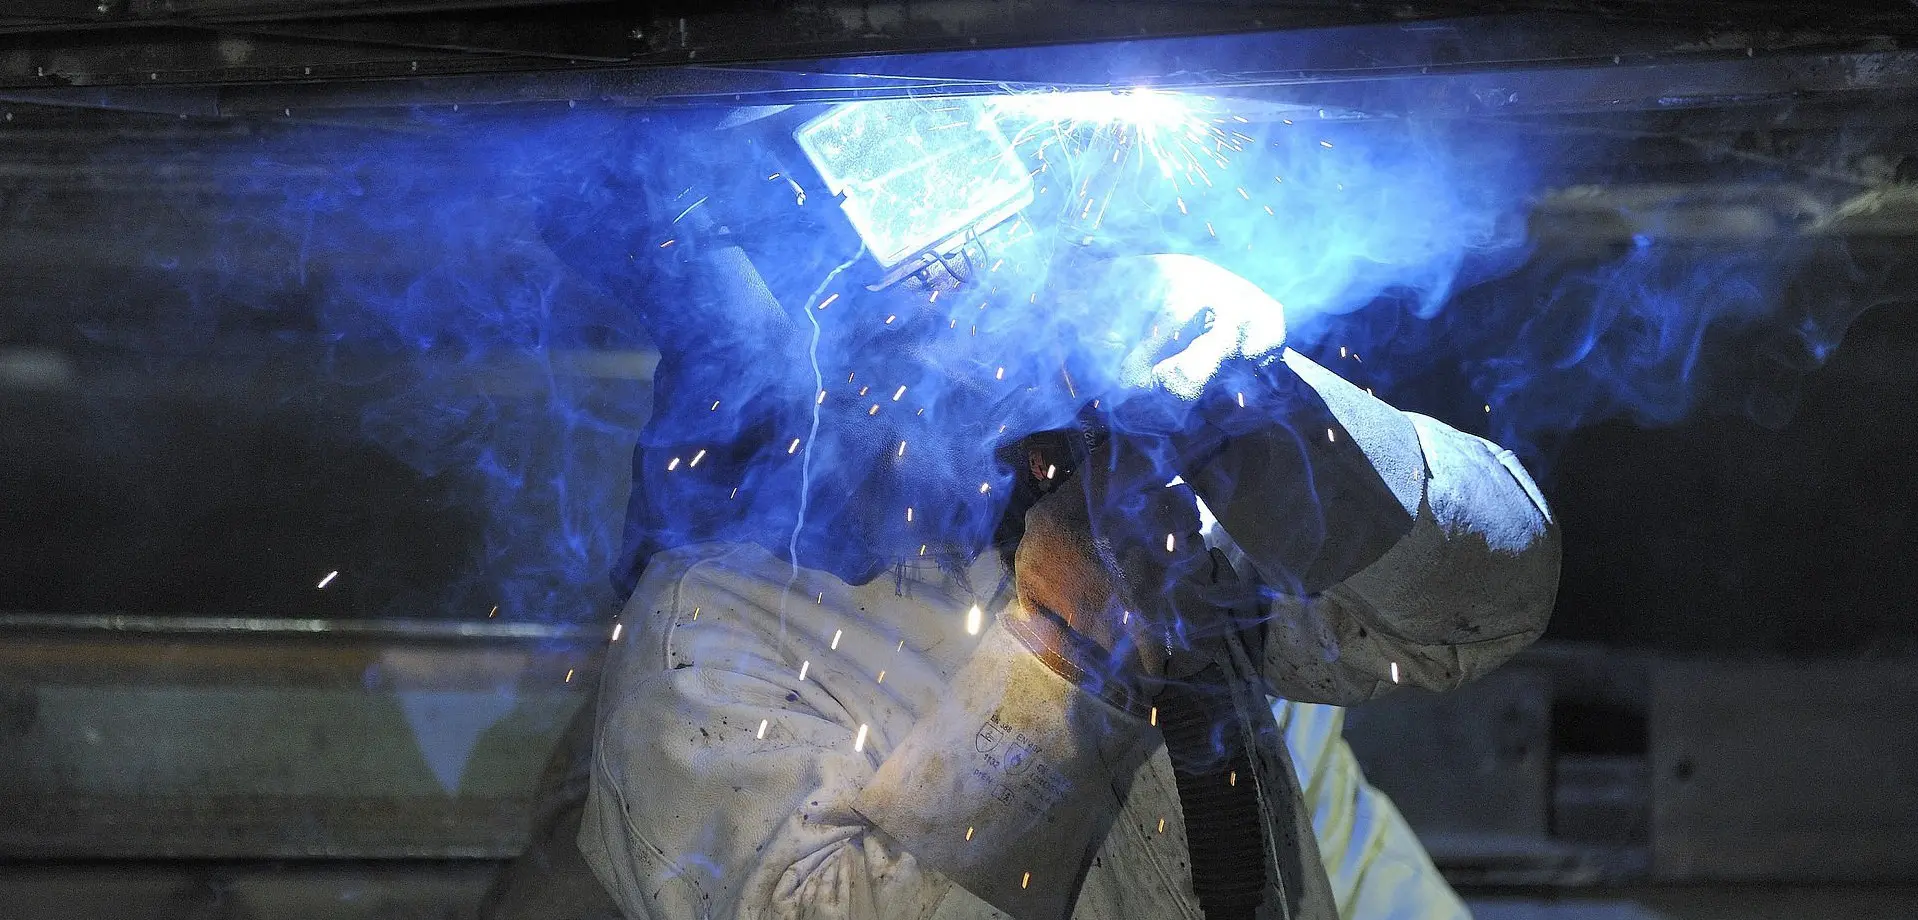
{"type": "Point", "coordinates": [878, 725]}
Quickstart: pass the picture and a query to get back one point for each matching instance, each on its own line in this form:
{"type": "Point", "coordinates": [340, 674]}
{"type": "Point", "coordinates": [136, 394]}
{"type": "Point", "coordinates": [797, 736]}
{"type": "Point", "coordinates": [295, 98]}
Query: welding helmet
{"type": "Point", "coordinates": [839, 377]}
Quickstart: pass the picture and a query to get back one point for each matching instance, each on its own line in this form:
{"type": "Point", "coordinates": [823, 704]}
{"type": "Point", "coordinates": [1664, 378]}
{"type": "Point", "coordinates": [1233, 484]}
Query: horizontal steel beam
{"type": "Point", "coordinates": [148, 624]}
{"type": "Point", "coordinates": [1471, 68]}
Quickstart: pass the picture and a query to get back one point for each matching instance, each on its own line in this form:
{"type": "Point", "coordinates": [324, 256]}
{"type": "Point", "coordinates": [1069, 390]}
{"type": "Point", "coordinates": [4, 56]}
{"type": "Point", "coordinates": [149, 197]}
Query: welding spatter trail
{"type": "Point", "coordinates": [812, 434]}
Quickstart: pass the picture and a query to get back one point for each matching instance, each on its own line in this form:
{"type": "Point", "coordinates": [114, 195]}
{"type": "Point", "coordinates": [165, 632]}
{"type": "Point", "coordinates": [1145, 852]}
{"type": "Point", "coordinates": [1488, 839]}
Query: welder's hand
{"type": "Point", "coordinates": [1196, 316]}
{"type": "Point", "coordinates": [1113, 555]}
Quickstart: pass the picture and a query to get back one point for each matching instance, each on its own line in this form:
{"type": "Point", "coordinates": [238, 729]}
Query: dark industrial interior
{"type": "Point", "coordinates": [200, 426]}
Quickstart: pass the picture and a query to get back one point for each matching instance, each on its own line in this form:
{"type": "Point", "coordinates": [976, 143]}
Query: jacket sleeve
{"type": "Point", "coordinates": [1396, 550]}
{"type": "Point", "coordinates": [845, 805]}
{"type": "Point", "coordinates": [1470, 585]}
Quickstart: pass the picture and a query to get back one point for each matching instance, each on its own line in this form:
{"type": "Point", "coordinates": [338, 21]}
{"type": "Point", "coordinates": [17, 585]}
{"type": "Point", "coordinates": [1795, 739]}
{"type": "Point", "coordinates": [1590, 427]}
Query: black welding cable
{"type": "Point", "coordinates": [1223, 825]}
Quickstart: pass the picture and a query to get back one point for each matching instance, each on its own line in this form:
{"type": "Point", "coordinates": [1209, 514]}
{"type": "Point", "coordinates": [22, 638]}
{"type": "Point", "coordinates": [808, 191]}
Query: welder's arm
{"type": "Point", "coordinates": [1402, 551]}
{"type": "Point", "coordinates": [1010, 786]}
{"type": "Point", "coordinates": [696, 810]}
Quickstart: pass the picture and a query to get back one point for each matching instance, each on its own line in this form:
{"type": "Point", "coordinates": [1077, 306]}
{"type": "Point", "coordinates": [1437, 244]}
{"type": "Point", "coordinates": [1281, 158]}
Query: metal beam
{"type": "Point", "coordinates": [268, 627]}
{"type": "Point", "coordinates": [193, 48]}
{"type": "Point", "coordinates": [1469, 68]}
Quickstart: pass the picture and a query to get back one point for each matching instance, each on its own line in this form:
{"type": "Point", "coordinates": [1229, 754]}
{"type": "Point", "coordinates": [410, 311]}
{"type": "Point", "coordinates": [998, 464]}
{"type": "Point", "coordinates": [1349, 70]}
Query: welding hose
{"type": "Point", "coordinates": [1224, 833]}
{"type": "Point", "coordinates": [1240, 798]}
{"type": "Point", "coordinates": [1247, 831]}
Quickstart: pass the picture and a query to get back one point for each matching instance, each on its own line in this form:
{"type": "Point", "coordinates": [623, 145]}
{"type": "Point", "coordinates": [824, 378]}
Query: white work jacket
{"type": "Point", "coordinates": [775, 743]}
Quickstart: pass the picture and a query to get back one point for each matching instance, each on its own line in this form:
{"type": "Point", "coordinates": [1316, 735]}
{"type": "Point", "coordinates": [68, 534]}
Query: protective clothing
{"type": "Point", "coordinates": [774, 742]}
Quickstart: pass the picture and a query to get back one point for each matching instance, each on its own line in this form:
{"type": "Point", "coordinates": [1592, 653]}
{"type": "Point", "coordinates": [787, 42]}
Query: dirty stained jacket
{"type": "Point", "coordinates": [776, 743]}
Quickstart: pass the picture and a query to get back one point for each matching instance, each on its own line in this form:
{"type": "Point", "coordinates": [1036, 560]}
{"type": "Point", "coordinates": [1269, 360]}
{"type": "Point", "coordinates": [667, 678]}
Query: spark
{"type": "Point", "coordinates": [617, 629]}
{"type": "Point", "coordinates": [569, 675]}
{"type": "Point", "coordinates": [874, 410]}
{"type": "Point", "coordinates": [900, 647]}
{"type": "Point", "coordinates": [1168, 130]}
{"type": "Point", "coordinates": [902, 448]}
{"type": "Point", "coordinates": [828, 301]}
{"type": "Point", "coordinates": [1169, 544]}
{"type": "Point", "coordinates": [715, 407]}
{"type": "Point", "coordinates": [804, 666]}
{"type": "Point", "coordinates": [335, 574]}
{"type": "Point", "coordinates": [1232, 779]}
{"type": "Point", "coordinates": [901, 392]}
{"type": "Point", "coordinates": [667, 243]}
{"type": "Point", "coordinates": [762, 729]}
{"type": "Point", "coordinates": [672, 465]}
{"type": "Point", "coordinates": [985, 487]}
{"type": "Point", "coordinates": [1326, 144]}
{"type": "Point", "coordinates": [1025, 880]}
{"type": "Point", "coordinates": [1001, 375]}
{"type": "Point", "coordinates": [493, 613]}
{"type": "Point", "coordinates": [1329, 436]}
{"type": "Point", "coordinates": [859, 743]}
{"type": "Point", "coordinates": [1395, 672]}
{"type": "Point", "coordinates": [1125, 617]}
{"type": "Point", "coordinates": [1051, 470]}
{"type": "Point", "coordinates": [792, 448]}
{"type": "Point", "coordinates": [1153, 719]}
{"type": "Point", "coordinates": [975, 618]}
{"type": "Point", "coordinates": [889, 319]}
{"type": "Point", "coordinates": [882, 676]}
{"type": "Point", "coordinates": [1241, 400]}
{"type": "Point", "coordinates": [821, 400]}
{"type": "Point", "coordinates": [864, 390]}
{"type": "Point", "coordinates": [689, 209]}
{"type": "Point", "coordinates": [1161, 825]}
{"type": "Point", "coordinates": [1488, 408]}
{"type": "Point", "coordinates": [696, 458]}
{"type": "Point", "coordinates": [695, 614]}
{"type": "Point", "coordinates": [908, 515]}
{"type": "Point", "coordinates": [968, 833]}
{"type": "Point", "coordinates": [835, 639]}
